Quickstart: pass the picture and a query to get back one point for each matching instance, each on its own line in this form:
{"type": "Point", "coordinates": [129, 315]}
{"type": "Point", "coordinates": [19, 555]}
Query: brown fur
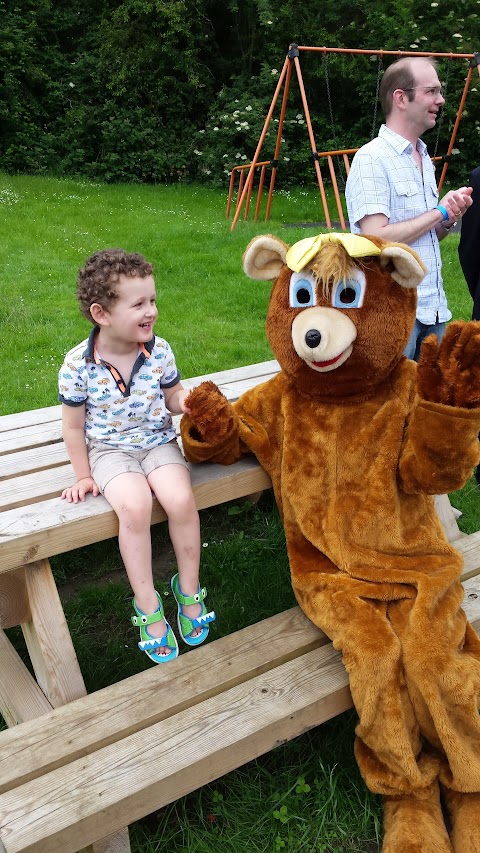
{"type": "Point", "coordinates": [355, 455]}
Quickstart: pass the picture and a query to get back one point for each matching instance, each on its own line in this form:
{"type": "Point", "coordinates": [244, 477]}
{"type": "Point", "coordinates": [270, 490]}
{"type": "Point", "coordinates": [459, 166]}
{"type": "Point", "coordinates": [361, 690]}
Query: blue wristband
{"type": "Point", "coordinates": [443, 211]}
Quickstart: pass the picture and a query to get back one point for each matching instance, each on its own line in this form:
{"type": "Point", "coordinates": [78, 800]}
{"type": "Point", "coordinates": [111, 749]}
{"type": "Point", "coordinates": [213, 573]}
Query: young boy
{"type": "Point", "coordinates": [117, 389]}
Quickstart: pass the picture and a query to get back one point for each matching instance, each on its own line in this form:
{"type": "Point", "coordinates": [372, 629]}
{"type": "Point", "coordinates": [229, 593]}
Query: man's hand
{"type": "Point", "coordinates": [182, 396]}
{"type": "Point", "coordinates": [456, 202]}
{"type": "Point", "coordinates": [81, 488]}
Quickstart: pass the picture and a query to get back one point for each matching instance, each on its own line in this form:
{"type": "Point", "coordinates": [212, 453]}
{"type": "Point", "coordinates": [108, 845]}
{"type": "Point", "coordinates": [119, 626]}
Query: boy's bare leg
{"type": "Point", "coordinates": [130, 496]}
{"type": "Point", "coordinates": [173, 489]}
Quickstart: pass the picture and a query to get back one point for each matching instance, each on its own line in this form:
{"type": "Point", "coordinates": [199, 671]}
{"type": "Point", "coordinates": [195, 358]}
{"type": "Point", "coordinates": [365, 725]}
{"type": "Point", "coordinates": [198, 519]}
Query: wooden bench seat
{"type": "Point", "coordinates": [75, 768]}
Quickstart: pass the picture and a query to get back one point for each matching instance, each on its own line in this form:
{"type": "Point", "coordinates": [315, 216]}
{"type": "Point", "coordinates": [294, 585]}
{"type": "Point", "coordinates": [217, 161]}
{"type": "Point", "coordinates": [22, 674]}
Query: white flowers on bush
{"type": "Point", "coordinates": [197, 152]}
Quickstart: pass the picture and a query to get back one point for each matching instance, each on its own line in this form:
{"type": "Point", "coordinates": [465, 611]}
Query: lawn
{"type": "Point", "coordinates": [306, 795]}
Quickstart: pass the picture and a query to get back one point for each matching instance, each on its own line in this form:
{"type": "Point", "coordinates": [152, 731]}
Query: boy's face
{"type": "Point", "coordinates": [132, 316]}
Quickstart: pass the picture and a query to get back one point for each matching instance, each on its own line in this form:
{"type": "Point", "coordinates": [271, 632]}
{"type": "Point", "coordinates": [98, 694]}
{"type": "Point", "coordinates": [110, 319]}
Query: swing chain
{"type": "Point", "coordinates": [341, 175]}
{"type": "Point", "coordinates": [377, 90]}
{"type": "Point", "coordinates": [442, 111]}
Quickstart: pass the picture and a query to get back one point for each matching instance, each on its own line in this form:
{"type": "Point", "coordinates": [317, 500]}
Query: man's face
{"type": "Point", "coordinates": [423, 111]}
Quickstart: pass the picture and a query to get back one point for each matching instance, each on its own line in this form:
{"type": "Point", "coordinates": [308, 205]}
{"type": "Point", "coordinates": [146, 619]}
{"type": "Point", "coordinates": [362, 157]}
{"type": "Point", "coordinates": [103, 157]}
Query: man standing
{"type": "Point", "coordinates": [391, 190]}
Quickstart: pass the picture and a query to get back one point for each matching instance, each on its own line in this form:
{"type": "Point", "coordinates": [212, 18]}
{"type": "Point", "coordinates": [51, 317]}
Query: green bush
{"type": "Point", "coordinates": [167, 90]}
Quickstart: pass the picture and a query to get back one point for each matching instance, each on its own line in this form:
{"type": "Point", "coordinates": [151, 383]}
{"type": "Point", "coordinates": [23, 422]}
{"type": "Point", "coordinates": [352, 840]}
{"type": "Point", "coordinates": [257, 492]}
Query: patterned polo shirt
{"type": "Point", "coordinates": [384, 178]}
{"type": "Point", "coordinates": [127, 414]}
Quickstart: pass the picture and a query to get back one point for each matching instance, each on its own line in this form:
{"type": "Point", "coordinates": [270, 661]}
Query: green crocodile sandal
{"type": "Point", "coordinates": [149, 644]}
{"type": "Point", "coordinates": [186, 625]}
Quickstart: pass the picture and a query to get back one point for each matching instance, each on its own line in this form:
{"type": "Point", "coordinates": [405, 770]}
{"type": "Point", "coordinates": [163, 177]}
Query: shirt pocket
{"type": "Point", "coordinates": [408, 200]}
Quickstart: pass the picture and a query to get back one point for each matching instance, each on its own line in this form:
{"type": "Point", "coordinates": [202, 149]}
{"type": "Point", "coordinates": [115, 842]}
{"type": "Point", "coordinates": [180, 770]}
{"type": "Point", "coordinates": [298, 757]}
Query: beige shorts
{"type": "Point", "coordinates": [107, 462]}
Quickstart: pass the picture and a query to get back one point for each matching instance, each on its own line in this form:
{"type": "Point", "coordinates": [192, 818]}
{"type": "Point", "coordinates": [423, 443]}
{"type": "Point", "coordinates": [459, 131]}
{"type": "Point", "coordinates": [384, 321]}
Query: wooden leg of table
{"type": "Point", "coordinates": [118, 843]}
{"type": "Point", "coordinates": [254, 497]}
{"type": "Point", "coordinates": [14, 605]}
{"type": "Point", "coordinates": [20, 696]}
{"type": "Point", "coordinates": [29, 596]}
{"type": "Point", "coordinates": [48, 639]}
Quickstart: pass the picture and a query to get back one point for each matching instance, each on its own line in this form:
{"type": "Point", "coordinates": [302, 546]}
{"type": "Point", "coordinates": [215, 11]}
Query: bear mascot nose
{"type": "Point", "coordinates": [313, 338]}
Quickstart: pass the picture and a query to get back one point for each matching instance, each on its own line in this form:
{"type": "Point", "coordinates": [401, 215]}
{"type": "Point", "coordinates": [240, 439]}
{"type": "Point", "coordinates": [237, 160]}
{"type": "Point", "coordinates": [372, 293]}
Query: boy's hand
{"type": "Point", "coordinates": [78, 491]}
{"type": "Point", "coordinates": [181, 397]}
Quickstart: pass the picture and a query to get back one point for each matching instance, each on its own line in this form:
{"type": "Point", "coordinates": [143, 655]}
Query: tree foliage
{"type": "Point", "coordinates": [160, 90]}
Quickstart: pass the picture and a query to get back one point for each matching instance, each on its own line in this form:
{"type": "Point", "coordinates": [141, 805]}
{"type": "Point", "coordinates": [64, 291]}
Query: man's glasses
{"type": "Point", "coordinates": [434, 91]}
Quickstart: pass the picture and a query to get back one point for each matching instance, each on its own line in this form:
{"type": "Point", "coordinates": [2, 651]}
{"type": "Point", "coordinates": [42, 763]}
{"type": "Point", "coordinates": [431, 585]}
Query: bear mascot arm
{"type": "Point", "coordinates": [442, 446]}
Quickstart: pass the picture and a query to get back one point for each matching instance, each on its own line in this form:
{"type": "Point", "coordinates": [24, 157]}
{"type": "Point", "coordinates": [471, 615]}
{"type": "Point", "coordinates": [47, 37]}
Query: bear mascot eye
{"type": "Point", "coordinates": [302, 290]}
{"type": "Point", "coordinates": [350, 293]}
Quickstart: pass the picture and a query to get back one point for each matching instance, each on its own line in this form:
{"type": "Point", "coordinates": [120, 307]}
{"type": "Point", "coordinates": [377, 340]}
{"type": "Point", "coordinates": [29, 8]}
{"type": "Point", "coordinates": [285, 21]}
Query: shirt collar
{"type": "Point", "coordinates": [399, 143]}
{"type": "Point", "coordinates": [90, 351]}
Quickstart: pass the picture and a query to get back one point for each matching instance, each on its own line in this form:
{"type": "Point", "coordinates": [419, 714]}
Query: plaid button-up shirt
{"type": "Point", "coordinates": [384, 178]}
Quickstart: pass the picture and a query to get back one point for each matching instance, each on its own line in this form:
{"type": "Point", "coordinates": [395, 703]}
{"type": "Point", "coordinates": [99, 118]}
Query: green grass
{"type": "Point", "coordinates": [306, 795]}
{"type": "Point", "coordinates": [212, 315]}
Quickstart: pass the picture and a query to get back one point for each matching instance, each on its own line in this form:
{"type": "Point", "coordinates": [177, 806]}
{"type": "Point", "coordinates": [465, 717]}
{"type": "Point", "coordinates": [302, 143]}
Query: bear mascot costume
{"type": "Point", "coordinates": [357, 440]}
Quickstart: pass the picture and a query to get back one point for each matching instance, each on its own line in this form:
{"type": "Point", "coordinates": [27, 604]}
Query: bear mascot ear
{"type": "Point", "coordinates": [408, 269]}
{"type": "Point", "coordinates": [264, 258]}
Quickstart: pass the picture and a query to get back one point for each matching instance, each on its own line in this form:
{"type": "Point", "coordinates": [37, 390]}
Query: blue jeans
{"type": "Point", "coordinates": [419, 332]}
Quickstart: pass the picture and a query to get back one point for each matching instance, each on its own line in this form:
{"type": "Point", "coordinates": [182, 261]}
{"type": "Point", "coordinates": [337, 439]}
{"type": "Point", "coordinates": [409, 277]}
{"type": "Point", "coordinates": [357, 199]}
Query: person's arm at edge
{"type": "Point", "coordinates": [73, 428]}
{"type": "Point", "coordinates": [468, 252]}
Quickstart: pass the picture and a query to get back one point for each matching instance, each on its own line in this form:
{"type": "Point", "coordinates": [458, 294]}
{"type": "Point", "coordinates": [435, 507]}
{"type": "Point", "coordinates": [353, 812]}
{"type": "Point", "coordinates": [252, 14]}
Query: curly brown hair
{"type": "Point", "coordinates": [96, 281]}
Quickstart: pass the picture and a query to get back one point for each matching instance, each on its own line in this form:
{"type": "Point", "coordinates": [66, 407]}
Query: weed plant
{"type": "Point", "coordinates": [306, 795]}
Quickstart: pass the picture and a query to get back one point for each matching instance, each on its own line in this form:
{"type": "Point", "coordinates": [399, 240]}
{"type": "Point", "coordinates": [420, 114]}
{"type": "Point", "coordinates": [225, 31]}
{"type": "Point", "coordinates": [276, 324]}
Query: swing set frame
{"type": "Point", "coordinates": [246, 172]}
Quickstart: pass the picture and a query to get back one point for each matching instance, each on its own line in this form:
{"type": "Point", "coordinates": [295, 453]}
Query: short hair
{"type": "Point", "coordinates": [97, 279]}
{"type": "Point", "coordinates": [400, 75]}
